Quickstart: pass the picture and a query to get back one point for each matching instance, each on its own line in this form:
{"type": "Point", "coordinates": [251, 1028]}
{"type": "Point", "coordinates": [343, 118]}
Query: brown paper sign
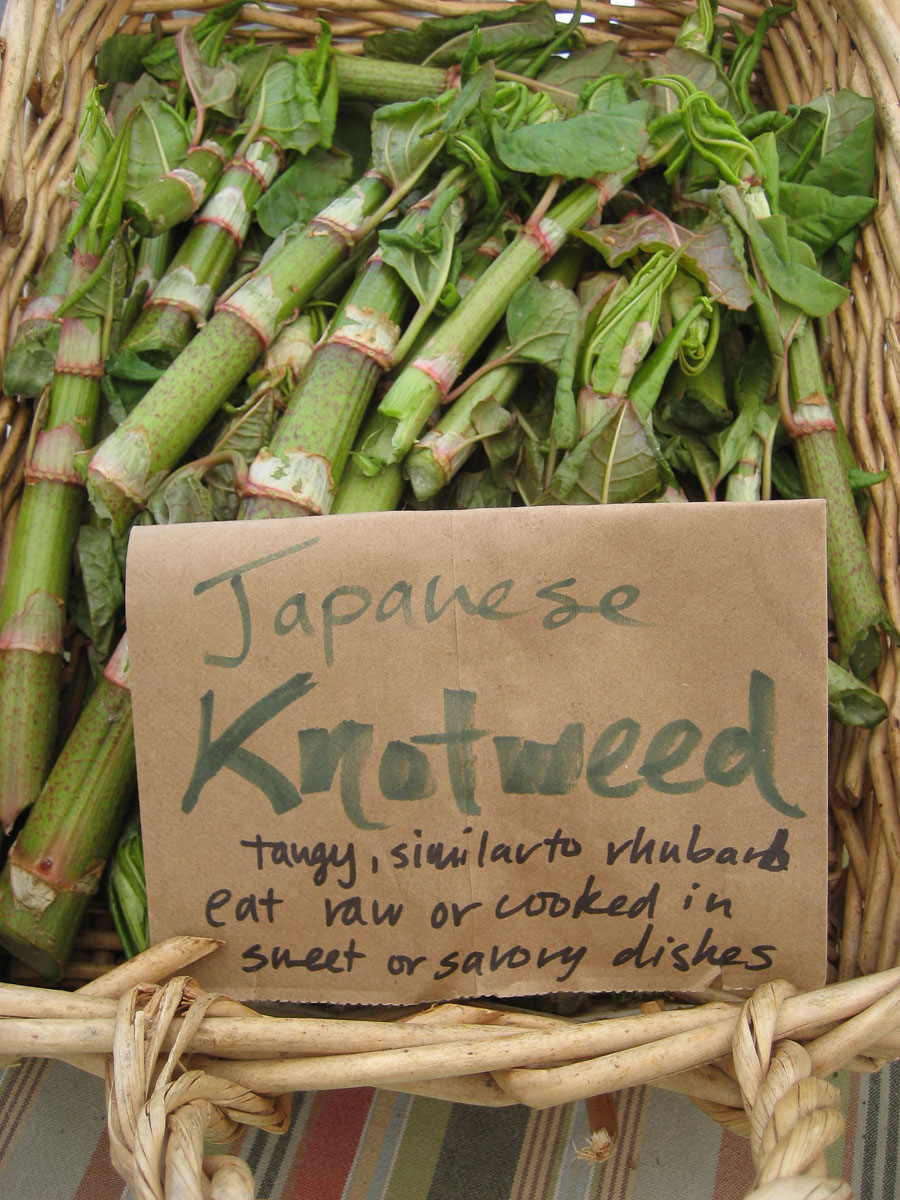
{"type": "Point", "coordinates": [410, 756]}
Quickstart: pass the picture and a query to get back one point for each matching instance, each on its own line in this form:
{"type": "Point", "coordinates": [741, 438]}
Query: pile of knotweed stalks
{"type": "Point", "coordinates": [182, 1065]}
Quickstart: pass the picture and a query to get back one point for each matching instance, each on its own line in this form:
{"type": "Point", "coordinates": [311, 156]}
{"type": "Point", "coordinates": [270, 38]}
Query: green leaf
{"type": "Point", "coordinates": [582, 68]}
{"type": "Point", "coordinates": [159, 142]}
{"type": "Point", "coordinates": [180, 499]}
{"type": "Point", "coordinates": [126, 891]}
{"type": "Point", "coordinates": [750, 391]}
{"type": "Point", "coordinates": [286, 108]}
{"type": "Point", "coordinates": [699, 69]}
{"type": "Point", "coordinates": [785, 263]}
{"type": "Point", "coordinates": [689, 453]}
{"type": "Point", "coordinates": [479, 489]}
{"type": "Point", "coordinates": [708, 250]}
{"type": "Point", "coordinates": [820, 217]}
{"type": "Point", "coordinates": [538, 321]}
{"type": "Point", "coordinates": [405, 135]}
{"type": "Point", "coordinates": [304, 189]}
{"type": "Point", "coordinates": [126, 380]}
{"type": "Point", "coordinates": [619, 461]}
{"type": "Point", "coordinates": [860, 479]}
{"type": "Point", "coordinates": [851, 702]}
{"type": "Point", "coordinates": [786, 476]}
{"type": "Point", "coordinates": [421, 250]}
{"type": "Point", "coordinates": [102, 583]}
{"type": "Point", "coordinates": [95, 138]}
{"type": "Point", "coordinates": [210, 86]}
{"type": "Point", "coordinates": [590, 143]}
{"type": "Point", "coordinates": [512, 29]}
{"type": "Point", "coordinates": [163, 61]}
{"type": "Point", "coordinates": [119, 59]}
{"type": "Point", "coordinates": [830, 143]}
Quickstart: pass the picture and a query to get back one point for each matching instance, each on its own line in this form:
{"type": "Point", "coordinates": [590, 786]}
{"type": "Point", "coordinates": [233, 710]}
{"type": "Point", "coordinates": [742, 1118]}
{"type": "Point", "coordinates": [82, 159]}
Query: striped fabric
{"type": "Point", "coordinates": [361, 1144]}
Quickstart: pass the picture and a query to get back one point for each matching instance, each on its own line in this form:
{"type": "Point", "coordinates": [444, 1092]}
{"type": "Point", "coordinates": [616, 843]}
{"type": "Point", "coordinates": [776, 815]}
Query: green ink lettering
{"type": "Point", "coordinates": [612, 749]}
{"type": "Point", "coordinates": [458, 736]}
{"type": "Point", "coordinates": [228, 750]}
{"type": "Point", "coordinates": [301, 618]}
{"type": "Point", "coordinates": [541, 768]}
{"type": "Point", "coordinates": [460, 595]}
{"type": "Point", "coordinates": [330, 619]}
{"type": "Point", "coordinates": [669, 749]}
{"type": "Point", "coordinates": [234, 576]}
{"type": "Point", "coordinates": [403, 591]}
{"type": "Point", "coordinates": [612, 609]}
{"type": "Point", "coordinates": [404, 773]}
{"type": "Point", "coordinates": [322, 751]}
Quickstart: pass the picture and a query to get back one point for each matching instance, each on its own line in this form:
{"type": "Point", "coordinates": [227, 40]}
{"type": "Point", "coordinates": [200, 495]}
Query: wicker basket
{"type": "Point", "coordinates": [759, 1067]}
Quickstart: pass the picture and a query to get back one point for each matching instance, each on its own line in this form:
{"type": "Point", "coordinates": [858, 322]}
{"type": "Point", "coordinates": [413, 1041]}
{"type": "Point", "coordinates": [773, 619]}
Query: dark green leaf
{"type": "Point", "coordinates": [479, 489]}
{"type": "Point", "coordinates": [708, 250]}
{"type": "Point", "coordinates": [786, 476]}
{"type": "Point", "coordinates": [690, 454]}
{"type": "Point", "coordinates": [304, 189]}
{"type": "Point", "coordinates": [618, 462]}
{"type": "Point", "coordinates": [859, 479]}
{"type": "Point", "coordinates": [159, 142]}
{"type": "Point", "coordinates": [421, 250]}
{"type": "Point", "coordinates": [820, 217]}
{"type": "Point", "coordinates": [286, 108]}
{"type": "Point", "coordinates": [181, 499]}
{"type": "Point", "coordinates": [538, 321]}
{"type": "Point", "coordinates": [590, 143]}
{"type": "Point", "coordinates": [127, 891]}
{"type": "Point", "coordinates": [119, 59]}
{"type": "Point", "coordinates": [831, 144]}
{"type": "Point", "coordinates": [851, 701]}
{"type": "Point", "coordinates": [126, 380]}
{"type": "Point", "coordinates": [210, 86]}
{"type": "Point", "coordinates": [163, 62]}
{"type": "Point", "coordinates": [582, 68]}
{"type": "Point", "coordinates": [404, 135]}
{"type": "Point", "coordinates": [442, 42]}
{"type": "Point", "coordinates": [103, 585]}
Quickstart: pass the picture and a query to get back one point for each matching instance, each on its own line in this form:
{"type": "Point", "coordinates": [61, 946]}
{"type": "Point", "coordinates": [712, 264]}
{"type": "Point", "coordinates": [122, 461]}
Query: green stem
{"type": "Point", "coordinates": [440, 453]}
{"type": "Point", "coordinates": [177, 195]}
{"type": "Point", "coordinates": [185, 295]}
{"type": "Point", "coordinates": [361, 78]}
{"type": "Point", "coordinates": [427, 381]}
{"type": "Point", "coordinates": [860, 613]}
{"type": "Point", "coordinates": [28, 363]}
{"type": "Point", "coordinates": [128, 465]}
{"type": "Point", "coordinates": [56, 862]}
{"type": "Point", "coordinates": [304, 463]}
{"type": "Point", "coordinates": [32, 606]}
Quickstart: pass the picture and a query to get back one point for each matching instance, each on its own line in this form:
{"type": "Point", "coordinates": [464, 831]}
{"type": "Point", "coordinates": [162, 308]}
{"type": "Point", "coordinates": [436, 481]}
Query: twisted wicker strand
{"type": "Point", "coordinates": [159, 1116]}
{"type": "Point", "coordinates": [793, 1116]}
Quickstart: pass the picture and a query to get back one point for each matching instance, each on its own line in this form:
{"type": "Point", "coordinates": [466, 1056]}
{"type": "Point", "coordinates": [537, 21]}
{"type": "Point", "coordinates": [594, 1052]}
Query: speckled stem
{"type": "Point", "coordinates": [55, 864]}
{"type": "Point", "coordinates": [32, 607]}
{"type": "Point", "coordinates": [177, 195]}
{"type": "Point", "coordinates": [428, 379]}
{"type": "Point", "coordinates": [361, 78]}
{"type": "Point", "coordinates": [131, 461]}
{"type": "Point", "coordinates": [300, 470]}
{"type": "Point", "coordinates": [441, 452]}
{"type": "Point", "coordinates": [185, 295]}
{"type": "Point", "coordinates": [856, 600]}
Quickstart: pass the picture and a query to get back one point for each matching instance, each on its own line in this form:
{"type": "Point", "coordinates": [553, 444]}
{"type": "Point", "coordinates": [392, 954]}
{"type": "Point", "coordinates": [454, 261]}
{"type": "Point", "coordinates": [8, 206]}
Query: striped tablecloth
{"type": "Point", "coordinates": [361, 1144]}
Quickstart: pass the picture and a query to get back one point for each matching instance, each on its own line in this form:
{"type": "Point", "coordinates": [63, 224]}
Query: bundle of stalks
{"type": "Point", "coordinates": [407, 291]}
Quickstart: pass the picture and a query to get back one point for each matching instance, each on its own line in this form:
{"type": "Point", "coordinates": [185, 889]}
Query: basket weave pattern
{"type": "Point", "coordinates": [757, 1067]}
